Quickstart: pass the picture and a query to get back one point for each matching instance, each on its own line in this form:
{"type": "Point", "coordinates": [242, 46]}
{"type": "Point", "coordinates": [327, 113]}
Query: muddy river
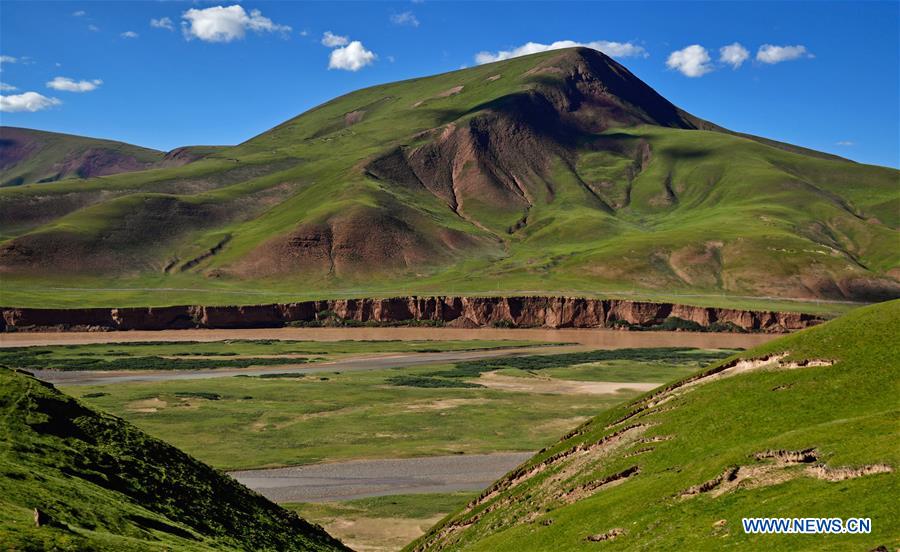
{"type": "Point", "coordinates": [593, 338]}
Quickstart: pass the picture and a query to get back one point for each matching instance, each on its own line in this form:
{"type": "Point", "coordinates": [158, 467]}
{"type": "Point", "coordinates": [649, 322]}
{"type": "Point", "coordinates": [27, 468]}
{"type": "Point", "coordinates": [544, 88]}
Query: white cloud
{"type": "Point", "coordinates": [405, 18]}
{"type": "Point", "coordinates": [733, 54]}
{"type": "Point", "coordinates": [218, 24]}
{"type": "Point", "coordinates": [351, 57]}
{"type": "Point", "coordinates": [162, 23]}
{"type": "Point", "coordinates": [8, 59]}
{"type": "Point", "coordinates": [93, 28]}
{"type": "Point", "coordinates": [332, 40]}
{"type": "Point", "coordinates": [69, 85]}
{"type": "Point", "coordinates": [304, 32]}
{"type": "Point", "coordinates": [847, 143]}
{"type": "Point", "coordinates": [28, 101]}
{"type": "Point", "coordinates": [613, 49]}
{"type": "Point", "coordinates": [129, 34]}
{"type": "Point", "coordinates": [769, 53]}
{"type": "Point", "coordinates": [79, 13]}
{"type": "Point", "coordinates": [4, 87]}
{"type": "Point", "coordinates": [692, 61]}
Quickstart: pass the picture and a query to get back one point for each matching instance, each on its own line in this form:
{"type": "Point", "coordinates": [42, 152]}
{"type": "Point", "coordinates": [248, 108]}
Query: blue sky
{"type": "Point", "coordinates": [219, 73]}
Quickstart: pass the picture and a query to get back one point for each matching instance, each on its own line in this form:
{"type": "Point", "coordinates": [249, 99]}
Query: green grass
{"type": "Point", "coordinates": [659, 355]}
{"type": "Point", "coordinates": [754, 224]}
{"type": "Point", "coordinates": [847, 412]}
{"type": "Point", "coordinates": [429, 382]}
{"type": "Point", "coordinates": [262, 422]}
{"type": "Point", "coordinates": [412, 506]}
{"type": "Point", "coordinates": [620, 370]}
{"type": "Point", "coordinates": [101, 484]}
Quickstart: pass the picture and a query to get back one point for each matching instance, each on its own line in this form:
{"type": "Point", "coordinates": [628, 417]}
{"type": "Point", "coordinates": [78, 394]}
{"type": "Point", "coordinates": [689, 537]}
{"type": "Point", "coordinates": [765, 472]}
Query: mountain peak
{"type": "Point", "coordinates": [612, 94]}
{"type": "Point", "coordinates": [558, 168]}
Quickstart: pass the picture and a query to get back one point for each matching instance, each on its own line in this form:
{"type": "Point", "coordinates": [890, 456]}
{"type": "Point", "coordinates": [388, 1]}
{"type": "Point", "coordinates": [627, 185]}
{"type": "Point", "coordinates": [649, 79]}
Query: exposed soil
{"type": "Point", "coordinates": [777, 467]}
{"type": "Point", "coordinates": [609, 535]}
{"type": "Point", "coordinates": [465, 312]}
{"type": "Point", "coordinates": [365, 534]}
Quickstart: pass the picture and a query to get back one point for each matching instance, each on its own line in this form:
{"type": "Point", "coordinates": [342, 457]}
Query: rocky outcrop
{"type": "Point", "coordinates": [460, 312]}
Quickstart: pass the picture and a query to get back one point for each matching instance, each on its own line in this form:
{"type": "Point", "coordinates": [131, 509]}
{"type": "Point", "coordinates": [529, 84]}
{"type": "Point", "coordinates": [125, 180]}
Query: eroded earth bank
{"type": "Point", "coordinates": [456, 312]}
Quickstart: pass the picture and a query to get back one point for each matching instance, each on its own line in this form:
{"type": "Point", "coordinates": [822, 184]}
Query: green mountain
{"type": "Point", "coordinates": [805, 426]}
{"type": "Point", "coordinates": [559, 171]}
{"type": "Point", "coordinates": [72, 478]}
{"type": "Point", "coordinates": [35, 156]}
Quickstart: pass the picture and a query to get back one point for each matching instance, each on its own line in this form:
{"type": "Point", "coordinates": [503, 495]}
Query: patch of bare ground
{"type": "Point", "coordinates": [378, 534]}
{"type": "Point", "coordinates": [451, 92]}
{"type": "Point", "coordinates": [822, 471]}
{"type": "Point", "coordinates": [639, 451]}
{"type": "Point", "coordinates": [264, 425]}
{"type": "Point", "coordinates": [147, 406]}
{"type": "Point", "coordinates": [445, 94]}
{"type": "Point", "coordinates": [444, 404]}
{"type": "Point", "coordinates": [609, 535]}
{"type": "Point", "coordinates": [587, 489]}
{"type": "Point", "coordinates": [354, 117]}
{"type": "Point", "coordinates": [733, 368]}
{"type": "Point", "coordinates": [778, 467]}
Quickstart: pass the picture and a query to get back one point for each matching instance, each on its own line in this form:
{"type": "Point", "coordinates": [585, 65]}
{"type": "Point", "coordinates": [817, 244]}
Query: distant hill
{"type": "Point", "coordinates": [28, 156]}
{"type": "Point", "coordinates": [99, 483]}
{"type": "Point", "coordinates": [805, 426]}
{"type": "Point", "coordinates": [560, 171]}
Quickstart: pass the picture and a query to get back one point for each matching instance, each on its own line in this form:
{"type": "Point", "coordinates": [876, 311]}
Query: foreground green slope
{"type": "Point", "coordinates": [101, 484]}
{"type": "Point", "coordinates": [559, 171]}
{"type": "Point", "coordinates": [804, 426]}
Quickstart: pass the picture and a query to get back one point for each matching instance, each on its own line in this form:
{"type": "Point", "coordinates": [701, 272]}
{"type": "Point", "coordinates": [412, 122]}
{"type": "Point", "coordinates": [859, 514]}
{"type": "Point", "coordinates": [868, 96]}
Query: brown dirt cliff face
{"type": "Point", "coordinates": [464, 312]}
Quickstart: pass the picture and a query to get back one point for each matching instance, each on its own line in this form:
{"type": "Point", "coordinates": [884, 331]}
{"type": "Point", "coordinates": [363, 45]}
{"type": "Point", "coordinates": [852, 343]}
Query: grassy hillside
{"type": "Point", "coordinates": [101, 484]}
{"type": "Point", "coordinates": [28, 156]}
{"type": "Point", "coordinates": [803, 426]}
{"type": "Point", "coordinates": [557, 172]}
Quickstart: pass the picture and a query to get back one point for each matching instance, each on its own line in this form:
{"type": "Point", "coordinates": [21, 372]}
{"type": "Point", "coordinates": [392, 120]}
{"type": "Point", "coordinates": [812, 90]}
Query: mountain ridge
{"type": "Point", "coordinates": [31, 156]}
{"type": "Point", "coordinates": [545, 167]}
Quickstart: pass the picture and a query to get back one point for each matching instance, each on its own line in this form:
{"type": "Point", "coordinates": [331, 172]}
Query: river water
{"type": "Point", "coordinates": [592, 338]}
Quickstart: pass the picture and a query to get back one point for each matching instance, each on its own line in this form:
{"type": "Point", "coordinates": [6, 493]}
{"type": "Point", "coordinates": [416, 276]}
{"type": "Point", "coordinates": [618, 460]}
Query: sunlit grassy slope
{"type": "Point", "coordinates": [101, 484]}
{"type": "Point", "coordinates": [678, 468]}
{"type": "Point", "coordinates": [510, 177]}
